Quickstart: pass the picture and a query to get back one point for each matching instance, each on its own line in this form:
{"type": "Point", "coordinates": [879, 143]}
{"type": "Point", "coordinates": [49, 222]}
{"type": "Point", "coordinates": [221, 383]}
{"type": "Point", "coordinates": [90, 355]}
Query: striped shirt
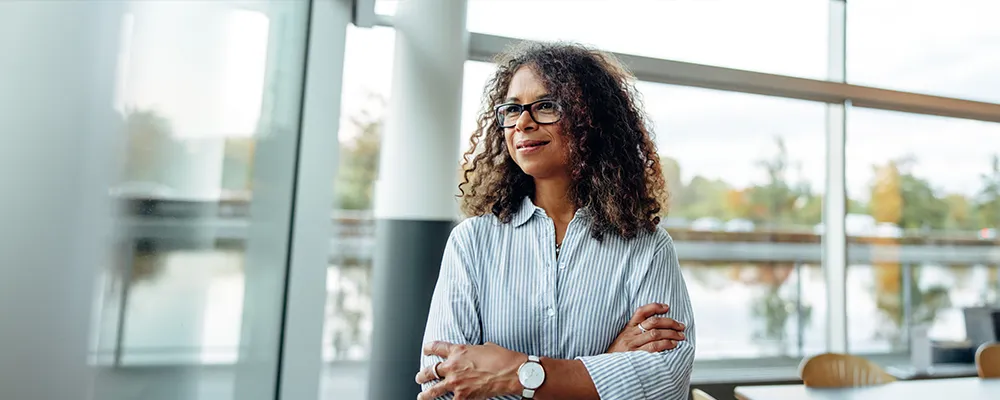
{"type": "Point", "coordinates": [503, 283]}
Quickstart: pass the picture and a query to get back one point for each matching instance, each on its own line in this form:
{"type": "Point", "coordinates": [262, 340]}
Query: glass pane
{"type": "Point", "coordinates": [924, 206]}
{"type": "Point", "coordinates": [209, 95]}
{"type": "Point", "coordinates": [348, 325]}
{"type": "Point", "coordinates": [777, 36]}
{"type": "Point", "coordinates": [928, 46]}
{"type": "Point", "coordinates": [746, 175]}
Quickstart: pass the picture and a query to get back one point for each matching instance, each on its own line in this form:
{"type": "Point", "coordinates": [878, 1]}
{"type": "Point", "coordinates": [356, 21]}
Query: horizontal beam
{"type": "Point", "coordinates": [357, 241]}
{"type": "Point", "coordinates": [483, 47]}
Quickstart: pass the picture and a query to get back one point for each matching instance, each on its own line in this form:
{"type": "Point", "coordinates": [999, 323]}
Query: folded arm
{"type": "Point", "coordinates": [645, 375]}
{"type": "Point", "coordinates": [454, 329]}
{"type": "Point", "coordinates": [454, 310]}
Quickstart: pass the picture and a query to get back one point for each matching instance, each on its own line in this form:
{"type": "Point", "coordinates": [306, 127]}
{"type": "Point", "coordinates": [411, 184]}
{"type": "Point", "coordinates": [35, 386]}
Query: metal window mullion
{"type": "Point", "coordinates": [301, 357]}
{"type": "Point", "coordinates": [835, 201]}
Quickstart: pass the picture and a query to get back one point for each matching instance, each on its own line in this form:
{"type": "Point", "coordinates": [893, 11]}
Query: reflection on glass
{"type": "Point", "coordinates": [923, 193]}
{"type": "Point", "coordinates": [751, 35]}
{"type": "Point", "coordinates": [746, 176]}
{"type": "Point", "coordinates": [203, 89]}
{"type": "Point", "coordinates": [926, 46]}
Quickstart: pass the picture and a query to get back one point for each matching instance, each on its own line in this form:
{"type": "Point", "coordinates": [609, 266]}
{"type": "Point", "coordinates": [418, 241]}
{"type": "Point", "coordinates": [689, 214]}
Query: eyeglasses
{"type": "Point", "coordinates": [541, 111]}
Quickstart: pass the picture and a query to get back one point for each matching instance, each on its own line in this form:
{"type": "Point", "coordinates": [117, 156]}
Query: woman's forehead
{"type": "Point", "coordinates": [526, 86]}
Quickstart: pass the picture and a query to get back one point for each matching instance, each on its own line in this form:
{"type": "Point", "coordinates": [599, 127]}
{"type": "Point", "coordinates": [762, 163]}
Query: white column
{"type": "Point", "coordinates": [415, 203]}
{"type": "Point", "coordinates": [58, 138]}
{"type": "Point", "coordinates": [418, 170]}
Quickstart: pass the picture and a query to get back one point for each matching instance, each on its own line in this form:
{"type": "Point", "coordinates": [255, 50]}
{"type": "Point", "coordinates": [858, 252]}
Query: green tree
{"type": "Point", "coordinates": [359, 158]}
{"type": "Point", "coordinates": [672, 174]}
{"type": "Point", "coordinates": [961, 213]}
{"type": "Point", "coordinates": [782, 201]}
{"type": "Point", "coordinates": [988, 205]}
{"type": "Point", "coordinates": [702, 197]}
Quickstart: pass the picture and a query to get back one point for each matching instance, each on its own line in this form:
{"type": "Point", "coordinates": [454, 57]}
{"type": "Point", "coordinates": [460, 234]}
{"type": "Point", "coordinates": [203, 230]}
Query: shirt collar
{"type": "Point", "coordinates": [529, 209]}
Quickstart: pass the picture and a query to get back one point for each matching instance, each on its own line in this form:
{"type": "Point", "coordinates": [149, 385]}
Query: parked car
{"type": "Point", "coordinates": [739, 225]}
{"type": "Point", "coordinates": [988, 234]}
{"type": "Point", "coordinates": [707, 224]}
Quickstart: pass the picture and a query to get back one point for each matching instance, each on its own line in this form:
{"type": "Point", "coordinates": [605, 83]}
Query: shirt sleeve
{"type": "Point", "coordinates": [644, 375]}
{"type": "Point", "coordinates": [454, 311]}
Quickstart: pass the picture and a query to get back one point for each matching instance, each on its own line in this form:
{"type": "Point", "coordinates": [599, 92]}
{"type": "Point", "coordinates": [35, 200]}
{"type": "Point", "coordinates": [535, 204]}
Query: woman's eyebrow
{"type": "Point", "coordinates": [545, 96]}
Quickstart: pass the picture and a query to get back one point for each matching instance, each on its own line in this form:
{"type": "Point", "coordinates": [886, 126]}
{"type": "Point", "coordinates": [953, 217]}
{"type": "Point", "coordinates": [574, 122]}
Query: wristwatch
{"type": "Point", "coordinates": [532, 375]}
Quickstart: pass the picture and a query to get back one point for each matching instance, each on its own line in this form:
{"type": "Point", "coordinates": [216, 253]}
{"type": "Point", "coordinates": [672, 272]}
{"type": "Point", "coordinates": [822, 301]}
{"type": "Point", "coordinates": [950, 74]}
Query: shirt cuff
{"type": "Point", "coordinates": [614, 376]}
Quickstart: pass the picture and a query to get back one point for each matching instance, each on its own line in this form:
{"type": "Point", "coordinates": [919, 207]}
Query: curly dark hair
{"type": "Point", "coordinates": [614, 165]}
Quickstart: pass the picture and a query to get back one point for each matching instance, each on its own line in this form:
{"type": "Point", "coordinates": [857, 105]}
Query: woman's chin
{"type": "Point", "coordinates": [541, 170]}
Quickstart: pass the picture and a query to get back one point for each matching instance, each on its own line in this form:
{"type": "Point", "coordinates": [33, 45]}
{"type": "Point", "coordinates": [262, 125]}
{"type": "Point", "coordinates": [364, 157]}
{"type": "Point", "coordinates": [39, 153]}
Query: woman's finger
{"type": "Point", "coordinates": [659, 345]}
{"type": "Point", "coordinates": [653, 336]}
{"type": "Point", "coordinates": [646, 311]}
{"type": "Point", "coordinates": [662, 323]}
{"type": "Point", "coordinates": [426, 375]}
{"type": "Point", "coordinates": [439, 389]}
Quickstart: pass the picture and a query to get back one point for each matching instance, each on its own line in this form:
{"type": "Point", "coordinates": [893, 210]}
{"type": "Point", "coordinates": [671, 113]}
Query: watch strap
{"type": "Point", "coordinates": [534, 359]}
{"type": "Point", "coordinates": [528, 394]}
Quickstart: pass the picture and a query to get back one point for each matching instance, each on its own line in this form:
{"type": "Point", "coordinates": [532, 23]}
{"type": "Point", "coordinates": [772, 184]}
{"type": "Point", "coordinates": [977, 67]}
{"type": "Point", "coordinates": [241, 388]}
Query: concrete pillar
{"type": "Point", "coordinates": [415, 203]}
{"type": "Point", "coordinates": [58, 139]}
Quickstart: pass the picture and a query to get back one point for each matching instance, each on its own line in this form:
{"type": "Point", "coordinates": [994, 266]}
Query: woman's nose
{"type": "Point", "coordinates": [525, 122]}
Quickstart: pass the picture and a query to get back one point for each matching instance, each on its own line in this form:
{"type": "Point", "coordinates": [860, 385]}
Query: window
{"type": "Point", "coordinates": [746, 176]}
{"type": "Point", "coordinates": [204, 90]}
{"type": "Point", "coordinates": [923, 211]}
{"type": "Point", "coordinates": [348, 325]}
{"type": "Point", "coordinates": [776, 36]}
{"type": "Point", "coordinates": [926, 46]}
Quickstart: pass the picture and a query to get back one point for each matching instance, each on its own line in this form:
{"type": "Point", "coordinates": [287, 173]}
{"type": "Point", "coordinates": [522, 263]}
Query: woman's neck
{"type": "Point", "coordinates": [552, 195]}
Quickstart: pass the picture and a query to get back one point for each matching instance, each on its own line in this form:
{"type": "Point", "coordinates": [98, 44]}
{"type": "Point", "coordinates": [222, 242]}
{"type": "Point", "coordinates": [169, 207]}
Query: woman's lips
{"type": "Point", "coordinates": [530, 146]}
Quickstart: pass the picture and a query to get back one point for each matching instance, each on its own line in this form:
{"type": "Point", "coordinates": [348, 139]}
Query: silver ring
{"type": "Point", "coordinates": [434, 370]}
{"type": "Point", "coordinates": [641, 328]}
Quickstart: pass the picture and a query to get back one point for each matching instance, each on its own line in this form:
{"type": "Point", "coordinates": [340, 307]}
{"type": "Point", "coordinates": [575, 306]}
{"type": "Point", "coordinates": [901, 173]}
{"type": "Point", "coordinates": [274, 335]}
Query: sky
{"type": "Point", "coordinates": [926, 46]}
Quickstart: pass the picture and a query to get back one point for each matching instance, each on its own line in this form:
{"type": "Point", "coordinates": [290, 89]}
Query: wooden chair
{"type": "Point", "coordinates": [988, 360]}
{"type": "Point", "coordinates": [842, 370]}
{"type": "Point", "coordinates": [699, 394]}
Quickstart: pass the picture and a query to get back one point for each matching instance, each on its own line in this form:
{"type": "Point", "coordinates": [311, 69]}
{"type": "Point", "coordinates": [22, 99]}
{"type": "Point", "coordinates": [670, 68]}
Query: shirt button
{"type": "Point", "coordinates": [551, 311]}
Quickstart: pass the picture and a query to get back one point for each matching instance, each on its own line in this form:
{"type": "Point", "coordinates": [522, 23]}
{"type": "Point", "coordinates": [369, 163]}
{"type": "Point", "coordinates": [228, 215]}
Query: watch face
{"type": "Point", "coordinates": [531, 375]}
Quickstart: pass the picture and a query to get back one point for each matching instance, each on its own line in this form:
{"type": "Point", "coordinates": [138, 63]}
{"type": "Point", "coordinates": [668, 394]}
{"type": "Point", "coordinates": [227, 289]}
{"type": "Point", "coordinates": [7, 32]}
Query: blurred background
{"type": "Point", "coordinates": [241, 260]}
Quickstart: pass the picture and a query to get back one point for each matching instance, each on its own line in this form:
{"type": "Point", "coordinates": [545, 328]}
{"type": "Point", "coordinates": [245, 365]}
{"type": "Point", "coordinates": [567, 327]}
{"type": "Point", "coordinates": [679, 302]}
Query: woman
{"type": "Point", "coordinates": [561, 285]}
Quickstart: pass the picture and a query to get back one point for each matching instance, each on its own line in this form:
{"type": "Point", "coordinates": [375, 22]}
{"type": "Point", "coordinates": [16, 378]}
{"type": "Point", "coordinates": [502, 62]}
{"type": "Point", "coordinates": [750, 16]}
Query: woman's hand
{"type": "Point", "coordinates": [471, 371]}
{"type": "Point", "coordinates": [657, 333]}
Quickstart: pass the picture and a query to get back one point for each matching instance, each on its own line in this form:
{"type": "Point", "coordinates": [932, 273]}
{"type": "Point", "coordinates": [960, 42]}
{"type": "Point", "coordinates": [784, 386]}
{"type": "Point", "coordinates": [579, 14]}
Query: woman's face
{"type": "Point", "coordinates": [540, 149]}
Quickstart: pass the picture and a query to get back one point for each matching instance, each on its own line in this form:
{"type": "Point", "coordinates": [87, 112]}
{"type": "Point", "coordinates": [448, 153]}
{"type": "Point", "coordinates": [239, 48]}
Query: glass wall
{"type": "Point", "coordinates": [209, 93]}
{"type": "Point", "coordinates": [746, 179]}
{"type": "Point", "coordinates": [348, 325]}
{"type": "Point", "coordinates": [924, 207]}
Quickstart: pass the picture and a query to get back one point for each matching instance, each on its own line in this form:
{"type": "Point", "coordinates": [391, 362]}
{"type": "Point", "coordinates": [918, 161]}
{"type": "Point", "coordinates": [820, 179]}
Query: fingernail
{"type": "Point", "coordinates": [673, 342]}
{"type": "Point", "coordinates": [682, 335]}
{"type": "Point", "coordinates": [681, 324]}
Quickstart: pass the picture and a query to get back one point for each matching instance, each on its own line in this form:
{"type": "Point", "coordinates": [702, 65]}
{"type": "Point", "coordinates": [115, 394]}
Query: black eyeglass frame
{"type": "Point", "coordinates": [531, 112]}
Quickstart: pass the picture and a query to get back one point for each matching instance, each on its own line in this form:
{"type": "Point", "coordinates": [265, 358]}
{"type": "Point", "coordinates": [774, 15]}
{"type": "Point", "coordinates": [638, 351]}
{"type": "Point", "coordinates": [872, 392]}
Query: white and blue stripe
{"type": "Point", "coordinates": [503, 283]}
